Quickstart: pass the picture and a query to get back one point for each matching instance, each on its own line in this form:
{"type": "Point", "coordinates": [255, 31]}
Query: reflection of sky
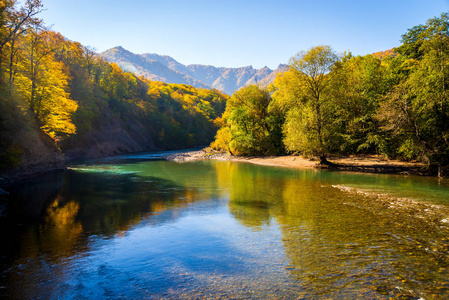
{"type": "Point", "coordinates": [204, 249]}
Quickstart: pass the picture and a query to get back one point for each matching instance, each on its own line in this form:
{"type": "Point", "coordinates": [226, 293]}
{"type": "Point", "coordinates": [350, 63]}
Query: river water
{"type": "Point", "coordinates": [137, 228]}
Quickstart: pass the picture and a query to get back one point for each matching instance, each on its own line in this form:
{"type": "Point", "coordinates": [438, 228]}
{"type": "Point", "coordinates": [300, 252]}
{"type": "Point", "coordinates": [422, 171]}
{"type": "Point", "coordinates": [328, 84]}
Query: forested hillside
{"type": "Point", "coordinates": [60, 100]}
{"type": "Point", "coordinates": [167, 69]}
{"type": "Point", "coordinates": [58, 95]}
{"type": "Point", "coordinates": [394, 103]}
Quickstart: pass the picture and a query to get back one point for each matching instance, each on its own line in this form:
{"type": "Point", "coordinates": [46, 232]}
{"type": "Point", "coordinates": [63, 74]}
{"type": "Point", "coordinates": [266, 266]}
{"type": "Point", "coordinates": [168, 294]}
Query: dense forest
{"type": "Point", "coordinates": [60, 96]}
{"type": "Point", "coordinates": [394, 103]}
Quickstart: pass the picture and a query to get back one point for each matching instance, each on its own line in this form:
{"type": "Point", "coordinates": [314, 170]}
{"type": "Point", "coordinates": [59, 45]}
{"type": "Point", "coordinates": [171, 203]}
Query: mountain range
{"type": "Point", "coordinates": [167, 69]}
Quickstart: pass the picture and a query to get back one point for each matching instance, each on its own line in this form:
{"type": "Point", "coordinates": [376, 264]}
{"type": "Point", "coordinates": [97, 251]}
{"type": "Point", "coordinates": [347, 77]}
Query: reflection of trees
{"type": "Point", "coordinates": [114, 203]}
{"type": "Point", "coordinates": [258, 194]}
{"type": "Point", "coordinates": [320, 235]}
{"type": "Point", "coordinates": [27, 203]}
{"type": "Point", "coordinates": [54, 239]}
{"type": "Point", "coordinates": [97, 203]}
{"type": "Point", "coordinates": [337, 244]}
{"type": "Point", "coordinates": [251, 213]}
{"type": "Point", "coordinates": [352, 246]}
{"type": "Point", "coordinates": [30, 198]}
{"type": "Point", "coordinates": [249, 199]}
{"type": "Point", "coordinates": [61, 225]}
{"type": "Point", "coordinates": [88, 204]}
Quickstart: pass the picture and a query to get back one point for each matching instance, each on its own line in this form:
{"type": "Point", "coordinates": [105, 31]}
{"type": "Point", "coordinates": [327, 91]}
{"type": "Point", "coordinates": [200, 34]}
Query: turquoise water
{"type": "Point", "coordinates": [135, 228]}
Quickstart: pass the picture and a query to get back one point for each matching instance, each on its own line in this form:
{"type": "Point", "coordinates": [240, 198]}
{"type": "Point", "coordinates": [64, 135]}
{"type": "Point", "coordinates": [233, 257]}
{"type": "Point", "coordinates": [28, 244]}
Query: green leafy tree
{"type": "Point", "coordinates": [415, 41]}
{"type": "Point", "coordinates": [255, 127]}
{"type": "Point", "coordinates": [309, 122]}
{"type": "Point", "coordinates": [416, 111]}
{"type": "Point", "coordinates": [357, 90]}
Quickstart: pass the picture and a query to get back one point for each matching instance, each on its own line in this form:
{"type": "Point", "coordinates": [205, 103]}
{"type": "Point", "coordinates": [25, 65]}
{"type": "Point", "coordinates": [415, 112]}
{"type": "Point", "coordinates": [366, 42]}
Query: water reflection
{"type": "Point", "coordinates": [340, 245]}
{"type": "Point", "coordinates": [160, 229]}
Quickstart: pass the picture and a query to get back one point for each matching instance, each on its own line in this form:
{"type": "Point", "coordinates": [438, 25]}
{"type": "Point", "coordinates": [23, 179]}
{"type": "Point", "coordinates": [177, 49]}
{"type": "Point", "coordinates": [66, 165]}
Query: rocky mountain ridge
{"type": "Point", "coordinates": [167, 69]}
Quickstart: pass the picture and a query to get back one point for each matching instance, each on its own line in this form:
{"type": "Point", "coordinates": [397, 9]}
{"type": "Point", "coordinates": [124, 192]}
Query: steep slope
{"type": "Point", "coordinates": [24, 148]}
{"type": "Point", "coordinates": [167, 69]}
{"type": "Point", "coordinates": [113, 134]}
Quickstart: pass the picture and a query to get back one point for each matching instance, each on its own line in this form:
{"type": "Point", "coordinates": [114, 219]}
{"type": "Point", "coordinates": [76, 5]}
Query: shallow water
{"type": "Point", "coordinates": [127, 228]}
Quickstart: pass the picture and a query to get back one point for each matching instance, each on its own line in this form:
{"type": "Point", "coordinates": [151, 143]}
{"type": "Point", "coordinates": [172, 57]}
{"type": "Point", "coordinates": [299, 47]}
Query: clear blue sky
{"type": "Point", "coordinates": [231, 33]}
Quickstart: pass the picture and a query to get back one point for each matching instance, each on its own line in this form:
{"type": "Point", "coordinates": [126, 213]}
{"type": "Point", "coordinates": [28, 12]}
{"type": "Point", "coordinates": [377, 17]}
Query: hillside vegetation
{"type": "Point", "coordinates": [58, 95]}
{"type": "Point", "coordinates": [394, 103]}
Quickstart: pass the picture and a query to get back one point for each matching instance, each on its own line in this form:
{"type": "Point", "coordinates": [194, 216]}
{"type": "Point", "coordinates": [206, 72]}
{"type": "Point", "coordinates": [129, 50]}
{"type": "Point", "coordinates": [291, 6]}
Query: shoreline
{"type": "Point", "coordinates": [360, 164]}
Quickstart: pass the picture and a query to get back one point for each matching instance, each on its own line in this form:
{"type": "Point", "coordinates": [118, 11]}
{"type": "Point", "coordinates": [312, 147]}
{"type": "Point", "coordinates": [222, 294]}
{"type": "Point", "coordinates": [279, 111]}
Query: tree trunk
{"type": "Point", "coordinates": [11, 66]}
{"type": "Point", "coordinates": [440, 171]}
{"type": "Point", "coordinates": [323, 160]}
{"type": "Point", "coordinates": [1, 67]}
{"type": "Point", "coordinates": [33, 82]}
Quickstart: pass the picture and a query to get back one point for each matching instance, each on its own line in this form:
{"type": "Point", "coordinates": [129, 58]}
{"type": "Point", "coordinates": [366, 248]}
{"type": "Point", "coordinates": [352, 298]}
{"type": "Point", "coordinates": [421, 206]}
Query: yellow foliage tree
{"type": "Point", "coordinates": [222, 140]}
{"type": "Point", "coordinates": [43, 82]}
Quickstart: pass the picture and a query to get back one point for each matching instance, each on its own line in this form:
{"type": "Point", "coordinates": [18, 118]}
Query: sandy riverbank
{"type": "Point", "coordinates": [370, 164]}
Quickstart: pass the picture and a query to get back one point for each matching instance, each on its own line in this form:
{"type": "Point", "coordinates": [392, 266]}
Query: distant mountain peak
{"type": "Point", "coordinates": [119, 48]}
{"type": "Point", "coordinates": [165, 68]}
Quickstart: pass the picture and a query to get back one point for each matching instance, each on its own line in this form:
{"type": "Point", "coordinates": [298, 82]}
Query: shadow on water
{"type": "Point", "coordinates": [24, 207]}
{"type": "Point", "coordinates": [30, 197]}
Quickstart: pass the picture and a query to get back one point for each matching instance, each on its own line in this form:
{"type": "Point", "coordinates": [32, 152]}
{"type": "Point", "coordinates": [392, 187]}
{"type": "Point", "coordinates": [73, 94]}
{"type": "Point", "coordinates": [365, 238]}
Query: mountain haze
{"type": "Point", "coordinates": [165, 68]}
{"type": "Point", "coordinates": [149, 68]}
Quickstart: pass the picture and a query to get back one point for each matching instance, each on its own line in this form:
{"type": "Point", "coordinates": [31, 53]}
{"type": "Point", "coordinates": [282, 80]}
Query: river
{"type": "Point", "coordinates": [136, 227]}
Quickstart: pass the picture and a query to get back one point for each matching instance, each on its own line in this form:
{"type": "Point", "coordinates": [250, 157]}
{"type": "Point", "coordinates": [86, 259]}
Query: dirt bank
{"type": "Point", "coordinates": [369, 164]}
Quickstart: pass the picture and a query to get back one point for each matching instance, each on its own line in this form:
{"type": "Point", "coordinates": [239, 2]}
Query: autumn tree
{"type": "Point", "coordinates": [14, 23]}
{"type": "Point", "coordinates": [309, 122]}
{"type": "Point", "coordinates": [43, 82]}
